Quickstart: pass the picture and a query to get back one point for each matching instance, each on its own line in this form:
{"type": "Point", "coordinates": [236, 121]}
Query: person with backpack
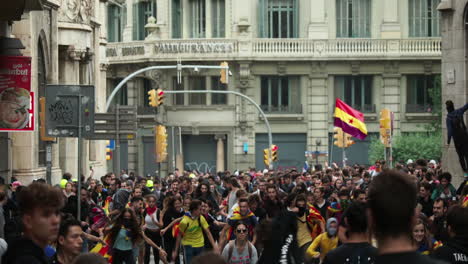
{"type": "Point", "coordinates": [456, 128]}
{"type": "Point", "coordinates": [240, 250]}
{"type": "Point", "coordinates": [357, 248]}
{"type": "Point", "coordinates": [191, 229]}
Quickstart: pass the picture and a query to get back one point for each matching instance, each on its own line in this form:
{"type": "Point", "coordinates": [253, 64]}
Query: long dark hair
{"type": "Point", "coordinates": [118, 223]}
{"type": "Point", "coordinates": [198, 192]}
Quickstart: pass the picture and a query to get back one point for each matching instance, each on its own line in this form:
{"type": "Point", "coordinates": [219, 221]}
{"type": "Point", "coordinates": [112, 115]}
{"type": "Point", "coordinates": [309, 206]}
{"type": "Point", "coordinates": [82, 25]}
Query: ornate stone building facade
{"type": "Point", "coordinates": [454, 67]}
{"type": "Point", "coordinates": [293, 57]}
{"type": "Point", "coordinates": [66, 41]}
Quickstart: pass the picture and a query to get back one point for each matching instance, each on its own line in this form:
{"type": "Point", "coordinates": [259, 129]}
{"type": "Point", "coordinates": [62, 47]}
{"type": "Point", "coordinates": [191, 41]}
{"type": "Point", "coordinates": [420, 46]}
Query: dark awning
{"type": "Point", "coordinates": [12, 10]}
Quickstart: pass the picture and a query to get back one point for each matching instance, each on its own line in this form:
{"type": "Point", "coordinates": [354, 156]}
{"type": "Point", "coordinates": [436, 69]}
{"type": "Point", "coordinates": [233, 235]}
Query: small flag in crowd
{"type": "Point", "coordinates": [350, 120]}
{"type": "Point", "coordinates": [306, 166]}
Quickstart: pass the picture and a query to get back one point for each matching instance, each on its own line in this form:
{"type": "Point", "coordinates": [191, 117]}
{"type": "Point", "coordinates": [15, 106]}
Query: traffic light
{"type": "Point", "coordinates": [160, 140]}
{"type": "Point", "coordinates": [108, 150]}
{"type": "Point", "coordinates": [385, 127]}
{"type": "Point", "coordinates": [224, 73]}
{"type": "Point", "coordinates": [266, 157]}
{"type": "Point", "coordinates": [338, 136]}
{"type": "Point", "coordinates": [160, 94]}
{"type": "Point", "coordinates": [274, 153]}
{"type": "Point", "coordinates": [348, 140]}
{"type": "Point", "coordinates": [42, 130]}
{"type": "Point", "coordinates": [152, 98]}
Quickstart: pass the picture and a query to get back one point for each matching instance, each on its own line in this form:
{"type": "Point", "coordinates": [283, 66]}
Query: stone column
{"type": "Point", "coordinates": [186, 29]}
{"type": "Point", "coordinates": [128, 31]}
{"type": "Point", "coordinates": [318, 26]}
{"type": "Point", "coordinates": [69, 73]}
{"type": "Point", "coordinates": [208, 87]}
{"type": "Point", "coordinates": [390, 27]}
{"type": "Point", "coordinates": [316, 108]}
{"type": "Point", "coordinates": [208, 29]}
{"type": "Point", "coordinates": [220, 152]}
{"type": "Point", "coordinates": [162, 18]}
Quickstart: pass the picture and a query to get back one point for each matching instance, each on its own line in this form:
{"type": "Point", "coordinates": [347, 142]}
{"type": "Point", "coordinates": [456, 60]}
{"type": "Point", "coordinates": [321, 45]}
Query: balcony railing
{"type": "Point", "coordinates": [272, 49]}
{"type": "Point", "coordinates": [418, 108]}
{"type": "Point", "coordinates": [282, 109]}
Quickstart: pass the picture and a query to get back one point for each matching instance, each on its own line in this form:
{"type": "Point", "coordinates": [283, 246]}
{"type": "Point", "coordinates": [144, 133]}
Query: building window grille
{"type": "Point", "coordinates": [116, 21]}
{"type": "Point", "coordinates": [218, 18]}
{"type": "Point", "coordinates": [423, 18]}
{"type": "Point", "coordinates": [178, 98]}
{"type": "Point", "coordinates": [197, 18]}
{"type": "Point", "coordinates": [216, 85]}
{"type": "Point", "coordinates": [356, 91]}
{"type": "Point", "coordinates": [353, 18]}
{"type": "Point", "coordinates": [418, 93]}
{"type": "Point", "coordinates": [195, 84]}
{"type": "Point", "coordinates": [278, 18]}
{"type": "Point", "coordinates": [141, 12]}
{"type": "Point", "coordinates": [280, 94]}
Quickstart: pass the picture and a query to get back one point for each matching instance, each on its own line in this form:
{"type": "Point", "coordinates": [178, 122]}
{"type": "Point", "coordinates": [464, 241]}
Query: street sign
{"type": "Point", "coordinates": [121, 125]}
{"type": "Point", "coordinates": [64, 106]}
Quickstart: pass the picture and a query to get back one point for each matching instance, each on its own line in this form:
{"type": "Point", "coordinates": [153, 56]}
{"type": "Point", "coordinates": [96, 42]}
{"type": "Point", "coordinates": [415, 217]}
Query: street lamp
{"type": "Point", "coordinates": [318, 142]}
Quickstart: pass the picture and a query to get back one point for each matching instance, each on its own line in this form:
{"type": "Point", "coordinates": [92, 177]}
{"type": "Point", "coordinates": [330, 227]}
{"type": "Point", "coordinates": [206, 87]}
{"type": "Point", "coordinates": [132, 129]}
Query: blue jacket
{"type": "Point", "coordinates": [452, 115]}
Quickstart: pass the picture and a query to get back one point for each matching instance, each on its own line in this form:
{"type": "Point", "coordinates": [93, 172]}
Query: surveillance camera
{"type": "Point", "coordinates": [196, 69]}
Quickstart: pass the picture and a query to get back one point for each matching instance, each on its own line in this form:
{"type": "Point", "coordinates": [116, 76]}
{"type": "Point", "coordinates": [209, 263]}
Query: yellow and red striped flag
{"type": "Point", "coordinates": [350, 120]}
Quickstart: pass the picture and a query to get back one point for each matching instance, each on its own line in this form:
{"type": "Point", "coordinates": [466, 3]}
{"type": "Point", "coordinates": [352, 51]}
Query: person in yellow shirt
{"type": "Point", "coordinates": [326, 241]}
{"type": "Point", "coordinates": [191, 228]}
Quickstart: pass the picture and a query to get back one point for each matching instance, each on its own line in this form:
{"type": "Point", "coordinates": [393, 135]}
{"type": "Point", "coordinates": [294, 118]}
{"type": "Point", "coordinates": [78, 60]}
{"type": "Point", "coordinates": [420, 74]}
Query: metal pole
{"type": "Point", "coordinates": [79, 159]}
{"type": "Point", "coordinates": [267, 124]}
{"type": "Point", "coordinates": [173, 148]}
{"type": "Point", "coordinates": [344, 152]}
{"type": "Point", "coordinates": [117, 141]}
{"type": "Point", "coordinates": [49, 162]}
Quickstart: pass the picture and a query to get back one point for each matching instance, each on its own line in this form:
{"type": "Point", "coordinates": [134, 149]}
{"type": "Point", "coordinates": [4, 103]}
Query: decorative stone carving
{"type": "Point", "coordinates": [392, 67]}
{"type": "Point", "coordinates": [355, 67]}
{"type": "Point", "coordinates": [78, 11]}
{"type": "Point", "coordinates": [428, 67]}
{"type": "Point", "coordinates": [154, 76]}
{"type": "Point", "coordinates": [281, 68]}
{"type": "Point", "coordinates": [319, 67]}
{"type": "Point", "coordinates": [243, 26]}
{"type": "Point", "coordinates": [244, 74]}
{"type": "Point", "coordinates": [152, 28]}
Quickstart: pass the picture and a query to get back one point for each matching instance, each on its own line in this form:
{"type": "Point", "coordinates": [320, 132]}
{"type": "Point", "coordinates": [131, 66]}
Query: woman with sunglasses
{"type": "Point", "coordinates": [240, 250]}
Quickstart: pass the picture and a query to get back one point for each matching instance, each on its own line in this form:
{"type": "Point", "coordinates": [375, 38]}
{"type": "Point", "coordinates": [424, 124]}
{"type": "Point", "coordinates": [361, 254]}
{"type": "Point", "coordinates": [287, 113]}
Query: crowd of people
{"type": "Point", "coordinates": [357, 214]}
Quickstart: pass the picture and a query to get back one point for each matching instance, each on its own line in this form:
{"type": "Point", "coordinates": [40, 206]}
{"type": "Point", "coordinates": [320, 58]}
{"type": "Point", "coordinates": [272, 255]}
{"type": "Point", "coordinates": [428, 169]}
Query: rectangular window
{"type": "Point", "coordinates": [197, 18]}
{"type": "Point", "coordinates": [353, 18]}
{"type": "Point", "coordinates": [121, 97]}
{"type": "Point", "coordinates": [141, 12]}
{"type": "Point", "coordinates": [417, 93]}
{"type": "Point", "coordinates": [197, 83]}
{"type": "Point", "coordinates": [176, 18]}
{"type": "Point", "coordinates": [280, 94]}
{"type": "Point", "coordinates": [216, 85]}
{"type": "Point", "coordinates": [356, 91]}
{"type": "Point", "coordinates": [218, 14]}
{"type": "Point", "coordinates": [116, 18]}
{"type": "Point", "coordinates": [278, 18]}
{"type": "Point", "coordinates": [423, 18]}
{"type": "Point", "coordinates": [178, 98]}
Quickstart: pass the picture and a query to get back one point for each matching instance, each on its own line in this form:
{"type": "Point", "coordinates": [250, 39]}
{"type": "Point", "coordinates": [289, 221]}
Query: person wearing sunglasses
{"type": "Point", "coordinates": [240, 250]}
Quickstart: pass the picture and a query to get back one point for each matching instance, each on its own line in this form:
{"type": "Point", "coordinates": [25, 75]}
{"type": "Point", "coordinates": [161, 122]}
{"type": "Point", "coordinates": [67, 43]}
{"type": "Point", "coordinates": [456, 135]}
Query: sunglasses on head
{"type": "Point", "coordinates": [241, 230]}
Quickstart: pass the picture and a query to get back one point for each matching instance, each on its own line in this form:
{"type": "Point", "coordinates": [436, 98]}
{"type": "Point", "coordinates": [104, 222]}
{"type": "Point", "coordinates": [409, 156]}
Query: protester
{"type": "Point", "coordinates": [325, 241]}
{"type": "Point", "coordinates": [39, 206]}
{"type": "Point", "coordinates": [191, 227]}
{"type": "Point", "coordinates": [391, 201]}
{"type": "Point", "coordinates": [240, 250]}
{"type": "Point", "coordinates": [69, 242]}
{"type": "Point", "coordinates": [455, 250]}
{"type": "Point", "coordinates": [354, 227]}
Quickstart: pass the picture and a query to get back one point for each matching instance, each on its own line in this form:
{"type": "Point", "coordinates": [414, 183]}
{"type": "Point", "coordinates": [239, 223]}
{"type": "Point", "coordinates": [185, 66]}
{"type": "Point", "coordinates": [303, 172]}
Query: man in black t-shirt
{"type": "Point", "coordinates": [357, 248]}
{"type": "Point", "coordinates": [391, 201]}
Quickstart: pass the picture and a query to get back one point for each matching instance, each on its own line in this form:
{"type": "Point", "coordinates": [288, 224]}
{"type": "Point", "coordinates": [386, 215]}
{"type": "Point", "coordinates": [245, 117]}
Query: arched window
{"type": "Point", "coordinates": [41, 83]}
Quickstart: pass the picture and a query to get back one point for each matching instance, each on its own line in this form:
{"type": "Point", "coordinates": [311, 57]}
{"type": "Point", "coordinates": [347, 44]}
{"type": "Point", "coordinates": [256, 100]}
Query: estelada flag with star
{"type": "Point", "coordinates": [350, 120]}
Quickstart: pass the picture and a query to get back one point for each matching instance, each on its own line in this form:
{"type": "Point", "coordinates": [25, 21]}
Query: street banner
{"type": "Point", "coordinates": [16, 98]}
